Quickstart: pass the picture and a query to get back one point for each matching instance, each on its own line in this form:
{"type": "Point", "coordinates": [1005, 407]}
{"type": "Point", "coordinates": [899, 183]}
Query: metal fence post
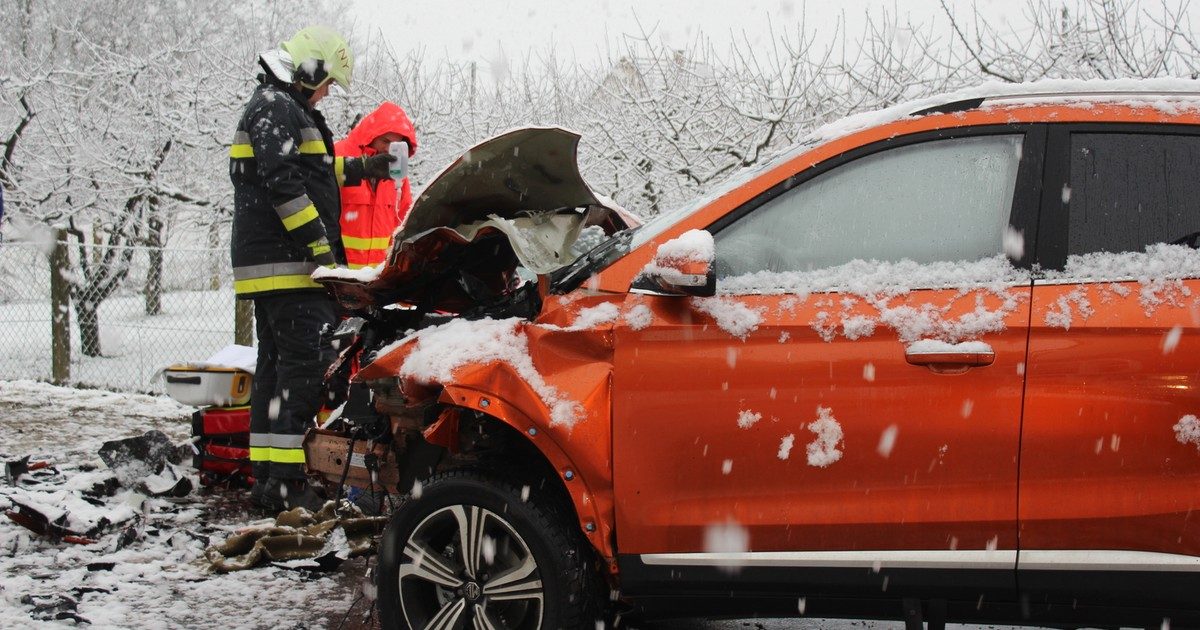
{"type": "Point", "coordinates": [60, 310]}
{"type": "Point", "coordinates": [243, 322]}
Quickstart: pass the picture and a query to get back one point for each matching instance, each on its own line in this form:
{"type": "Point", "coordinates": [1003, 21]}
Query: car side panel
{"type": "Point", "coordinates": [683, 464]}
{"type": "Point", "coordinates": [1109, 379]}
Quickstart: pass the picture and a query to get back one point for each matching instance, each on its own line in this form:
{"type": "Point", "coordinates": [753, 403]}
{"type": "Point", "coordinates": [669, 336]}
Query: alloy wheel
{"type": "Point", "coordinates": [467, 567]}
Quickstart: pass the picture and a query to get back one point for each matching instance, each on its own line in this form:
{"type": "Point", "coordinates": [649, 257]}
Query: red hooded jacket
{"type": "Point", "coordinates": [371, 210]}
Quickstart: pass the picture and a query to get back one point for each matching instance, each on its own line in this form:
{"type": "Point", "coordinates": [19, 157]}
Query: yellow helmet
{"type": "Point", "coordinates": [320, 53]}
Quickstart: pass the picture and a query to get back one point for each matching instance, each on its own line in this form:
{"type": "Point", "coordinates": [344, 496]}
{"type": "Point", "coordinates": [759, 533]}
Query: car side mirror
{"type": "Point", "coordinates": [681, 266]}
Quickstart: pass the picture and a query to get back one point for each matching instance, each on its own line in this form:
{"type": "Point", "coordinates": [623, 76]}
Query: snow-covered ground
{"type": "Point", "coordinates": [160, 579]}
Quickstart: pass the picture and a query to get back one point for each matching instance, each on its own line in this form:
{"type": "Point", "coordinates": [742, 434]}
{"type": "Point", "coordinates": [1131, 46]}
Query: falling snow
{"type": "Point", "coordinates": [1171, 339]}
{"type": "Point", "coordinates": [729, 539]}
{"type": "Point", "coordinates": [869, 372]}
{"type": "Point", "coordinates": [1014, 243]}
{"type": "Point", "coordinates": [887, 440]}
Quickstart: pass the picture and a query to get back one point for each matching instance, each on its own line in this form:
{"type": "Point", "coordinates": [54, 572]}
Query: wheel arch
{"type": "Point", "coordinates": [590, 497]}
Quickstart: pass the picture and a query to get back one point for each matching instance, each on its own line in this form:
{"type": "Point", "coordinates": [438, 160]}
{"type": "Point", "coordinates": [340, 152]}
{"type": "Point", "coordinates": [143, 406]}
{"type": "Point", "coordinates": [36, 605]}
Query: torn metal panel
{"type": "Point", "coordinates": [328, 454]}
{"type": "Point", "coordinates": [577, 363]}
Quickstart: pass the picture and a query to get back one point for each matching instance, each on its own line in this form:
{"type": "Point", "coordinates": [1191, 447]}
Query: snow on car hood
{"type": "Point", "coordinates": [517, 199]}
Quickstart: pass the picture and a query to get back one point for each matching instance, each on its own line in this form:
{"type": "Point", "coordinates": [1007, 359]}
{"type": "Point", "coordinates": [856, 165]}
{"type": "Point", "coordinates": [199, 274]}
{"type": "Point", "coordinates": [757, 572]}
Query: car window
{"type": "Point", "coordinates": [1127, 191]}
{"type": "Point", "coordinates": [941, 200]}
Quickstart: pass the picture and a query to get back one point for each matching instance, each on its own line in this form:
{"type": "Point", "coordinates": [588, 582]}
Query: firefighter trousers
{"type": "Point", "coordinates": [287, 380]}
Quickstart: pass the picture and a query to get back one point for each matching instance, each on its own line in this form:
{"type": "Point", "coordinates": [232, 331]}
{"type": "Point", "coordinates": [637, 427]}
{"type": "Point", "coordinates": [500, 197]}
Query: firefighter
{"type": "Point", "coordinates": [372, 210]}
{"type": "Point", "coordinates": [285, 223]}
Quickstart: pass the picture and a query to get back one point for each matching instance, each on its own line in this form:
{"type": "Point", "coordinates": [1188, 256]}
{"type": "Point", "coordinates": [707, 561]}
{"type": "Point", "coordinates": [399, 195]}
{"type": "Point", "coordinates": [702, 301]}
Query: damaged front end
{"type": "Point", "coordinates": [460, 348]}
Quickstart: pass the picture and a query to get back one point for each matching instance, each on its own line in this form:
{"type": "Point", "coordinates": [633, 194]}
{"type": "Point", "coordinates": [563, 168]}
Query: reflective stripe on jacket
{"type": "Point", "coordinates": [371, 211]}
{"type": "Point", "coordinates": [286, 203]}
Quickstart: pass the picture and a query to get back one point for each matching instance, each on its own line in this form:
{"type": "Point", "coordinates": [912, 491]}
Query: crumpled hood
{"type": "Point", "coordinates": [387, 118]}
{"type": "Point", "coordinates": [525, 170]}
{"type": "Point", "coordinates": [515, 200]}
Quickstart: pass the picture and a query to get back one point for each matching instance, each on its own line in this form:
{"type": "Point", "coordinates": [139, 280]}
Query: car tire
{"type": "Point", "coordinates": [527, 565]}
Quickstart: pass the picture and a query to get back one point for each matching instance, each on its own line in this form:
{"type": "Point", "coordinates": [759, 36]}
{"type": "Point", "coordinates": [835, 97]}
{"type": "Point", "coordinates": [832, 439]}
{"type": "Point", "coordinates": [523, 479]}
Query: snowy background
{"type": "Point", "coordinates": [115, 119]}
{"type": "Point", "coordinates": [115, 122]}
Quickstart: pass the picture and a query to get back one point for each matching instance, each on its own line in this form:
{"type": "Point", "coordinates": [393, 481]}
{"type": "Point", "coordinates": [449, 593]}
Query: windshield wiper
{"type": "Point", "coordinates": [570, 277]}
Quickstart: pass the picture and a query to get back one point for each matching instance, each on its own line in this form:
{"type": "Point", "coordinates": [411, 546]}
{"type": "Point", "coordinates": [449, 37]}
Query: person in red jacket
{"type": "Point", "coordinates": [372, 210]}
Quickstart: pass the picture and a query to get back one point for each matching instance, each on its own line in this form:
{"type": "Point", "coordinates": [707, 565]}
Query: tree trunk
{"type": "Point", "coordinates": [97, 243]}
{"type": "Point", "coordinates": [153, 289]}
{"type": "Point", "coordinates": [214, 240]}
{"type": "Point", "coordinates": [60, 311]}
{"type": "Point", "coordinates": [243, 322]}
{"type": "Point", "coordinates": [87, 312]}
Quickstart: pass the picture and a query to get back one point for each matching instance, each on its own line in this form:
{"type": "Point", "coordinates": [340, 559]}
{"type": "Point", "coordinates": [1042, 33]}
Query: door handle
{"type": "Point", "coordinates": [950, 361]}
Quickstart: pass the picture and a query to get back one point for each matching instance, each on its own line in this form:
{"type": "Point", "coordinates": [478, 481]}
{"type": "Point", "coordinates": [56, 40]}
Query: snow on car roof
{"type": "Point", "coordinates": [1164, 94]}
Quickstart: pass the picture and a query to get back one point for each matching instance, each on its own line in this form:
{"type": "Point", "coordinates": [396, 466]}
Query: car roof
{"type": "Point", "coordinates": [1167, 94]}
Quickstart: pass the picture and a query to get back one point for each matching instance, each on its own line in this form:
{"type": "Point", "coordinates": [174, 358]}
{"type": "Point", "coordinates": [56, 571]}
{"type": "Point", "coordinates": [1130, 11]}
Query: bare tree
{"type": "Point", "coordinates": [1102, 39]}
{"type": "Point", "coordinates": [116, 119]}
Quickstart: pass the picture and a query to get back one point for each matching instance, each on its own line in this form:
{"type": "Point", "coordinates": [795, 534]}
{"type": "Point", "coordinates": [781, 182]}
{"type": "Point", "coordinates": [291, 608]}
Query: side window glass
{"type": "Point", "coordinates": [942, 200]}
{"type": "Point", "coordinates": [1127, 191]}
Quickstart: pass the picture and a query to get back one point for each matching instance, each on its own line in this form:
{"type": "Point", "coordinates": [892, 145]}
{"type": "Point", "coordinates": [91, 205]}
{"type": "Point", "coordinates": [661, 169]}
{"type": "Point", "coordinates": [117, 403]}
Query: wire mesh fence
{"type": "Point", "coordinates": [133, 310]}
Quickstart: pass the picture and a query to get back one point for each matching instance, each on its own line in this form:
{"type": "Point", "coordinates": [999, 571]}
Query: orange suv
{"type": "Point", "coordinates": [939, 362]}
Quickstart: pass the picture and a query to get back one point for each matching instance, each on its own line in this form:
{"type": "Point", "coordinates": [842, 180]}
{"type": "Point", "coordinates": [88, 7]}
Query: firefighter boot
{"type": "Point", "coordinates": [258, 493]}
{"type": "Point", "coordinates": [287, 494]}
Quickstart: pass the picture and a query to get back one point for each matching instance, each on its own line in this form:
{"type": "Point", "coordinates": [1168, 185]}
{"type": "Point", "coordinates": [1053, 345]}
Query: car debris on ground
{"type": "Point", "coordinates": [131, 554]}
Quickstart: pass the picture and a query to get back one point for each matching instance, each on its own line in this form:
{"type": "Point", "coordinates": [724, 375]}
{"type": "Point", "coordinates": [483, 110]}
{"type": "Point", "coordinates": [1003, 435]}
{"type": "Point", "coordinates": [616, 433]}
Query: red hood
{"type": "Point", "coordinates": [387, 118]}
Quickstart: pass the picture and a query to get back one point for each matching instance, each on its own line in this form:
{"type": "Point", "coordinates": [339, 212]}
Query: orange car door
{"type": "Point", "coordinates": [855, 386]}
{"type": "Point", "coordinates": [1110, 456]}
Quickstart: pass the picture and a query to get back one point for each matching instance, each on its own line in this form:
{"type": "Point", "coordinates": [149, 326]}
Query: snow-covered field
{"type": "Point", "coordinates": [192, 326]}
{"type": "Point", "coordinates": [195, 319]}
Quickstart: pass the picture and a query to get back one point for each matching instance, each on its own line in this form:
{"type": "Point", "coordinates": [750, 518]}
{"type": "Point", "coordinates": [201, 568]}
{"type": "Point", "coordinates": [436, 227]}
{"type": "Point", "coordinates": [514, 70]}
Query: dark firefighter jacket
{"type": "Point", "coordinates": [286, 202]}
